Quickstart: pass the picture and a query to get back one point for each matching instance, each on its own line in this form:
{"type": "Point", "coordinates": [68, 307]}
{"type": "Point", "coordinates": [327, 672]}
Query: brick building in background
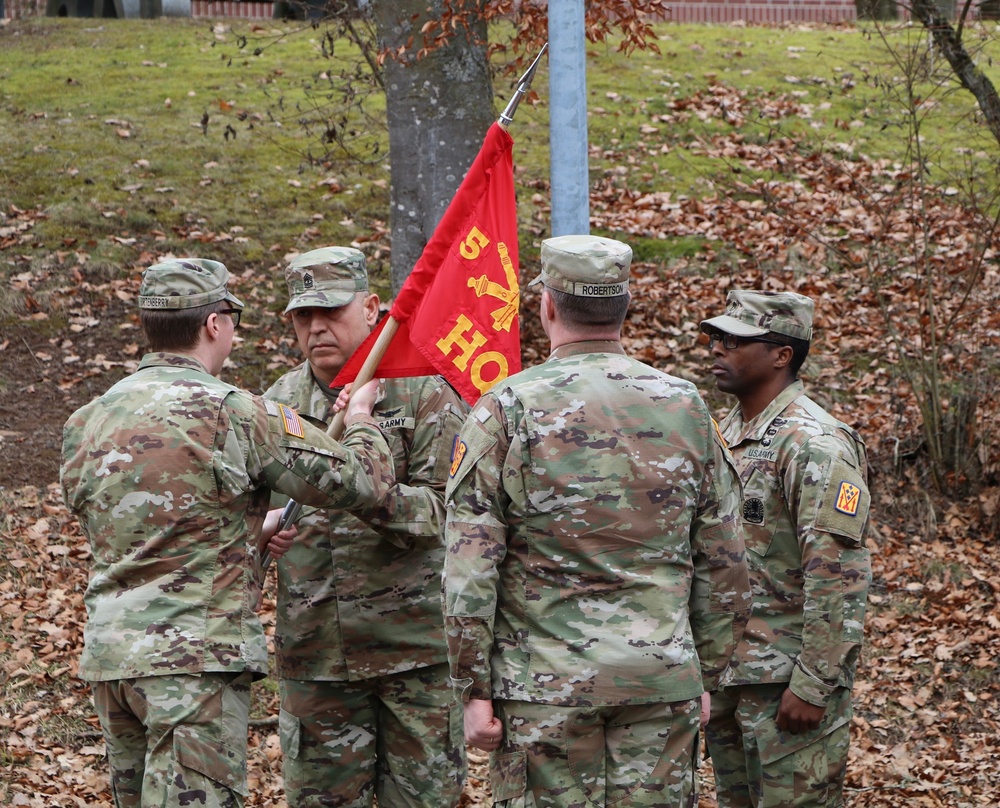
{"type": "Point", "coordinates": [721, 11]}
{"type": "Point", "coordinates": [763, 11]}
{"type": "Point", "coordinates": [752, 11]}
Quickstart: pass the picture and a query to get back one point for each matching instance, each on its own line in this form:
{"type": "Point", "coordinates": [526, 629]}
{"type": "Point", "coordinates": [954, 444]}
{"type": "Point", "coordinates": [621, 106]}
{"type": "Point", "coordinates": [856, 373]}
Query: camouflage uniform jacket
{"type": "Point", "coordinates": [805, 516]}
{"type": "Point", "coordinates": [169, 472]}
{"type": "Point", "coordinates": [358, 601]}
{"type": "Point", "coordinates": [595, 555]}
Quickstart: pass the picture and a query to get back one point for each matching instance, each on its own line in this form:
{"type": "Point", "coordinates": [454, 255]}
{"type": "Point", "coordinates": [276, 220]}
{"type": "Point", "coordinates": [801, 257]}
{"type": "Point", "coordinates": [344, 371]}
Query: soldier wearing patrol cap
{"type": "Point", "coordinates": [170, 473]}
{"type": "Point", "coordinates": [595, 574]}
{"type": "Point", "coordinates": [366, 703]}
{"type": "Point", "coordinates": [779, 730]}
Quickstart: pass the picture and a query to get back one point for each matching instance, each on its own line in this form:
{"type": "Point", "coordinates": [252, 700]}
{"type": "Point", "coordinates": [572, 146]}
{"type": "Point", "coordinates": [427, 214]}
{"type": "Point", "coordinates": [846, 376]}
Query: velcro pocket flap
{"type": "Point", "coordinates": [214, 759]}
{"type": "Point", "coordinates": [509, 776]}
{"type": "Point", "coordinates": [773, 744]}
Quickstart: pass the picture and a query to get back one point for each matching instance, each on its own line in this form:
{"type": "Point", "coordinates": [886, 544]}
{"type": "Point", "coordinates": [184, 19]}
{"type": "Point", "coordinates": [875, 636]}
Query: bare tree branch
{"type": "Point", "coordinates": [949, 42]}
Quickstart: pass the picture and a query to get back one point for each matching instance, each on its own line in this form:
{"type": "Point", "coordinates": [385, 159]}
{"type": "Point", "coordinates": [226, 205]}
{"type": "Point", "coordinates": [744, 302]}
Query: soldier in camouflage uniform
{"type": "Point", "coordinates": [170, 472]}
{"type": "Point", "coordinates": [595, 578]}
{"type": "Point", "coordinates": [780, 729]}
{"type": "Point", "coordinates": [367, 705]}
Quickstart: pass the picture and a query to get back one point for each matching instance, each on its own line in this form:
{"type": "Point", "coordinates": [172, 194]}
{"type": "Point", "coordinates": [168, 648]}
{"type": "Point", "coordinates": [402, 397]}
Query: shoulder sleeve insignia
{"type": "Point", "coordinates": [848, 498]}
{"type": "Point", "coordinates": [457, 454]}
{"type": "Point", "coordinates": [291, 421]}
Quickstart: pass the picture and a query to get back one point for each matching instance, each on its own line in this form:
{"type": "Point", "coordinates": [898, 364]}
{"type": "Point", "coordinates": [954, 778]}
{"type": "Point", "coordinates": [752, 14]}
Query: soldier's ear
{"type": "Point", "coordinates": [547, 305]}
{"type": "Point", "coordinates": [782, 357]}
{"type": "Point", "coordinates": [212, 323]}
{"type": "Point", "coordinates": [370, 304]}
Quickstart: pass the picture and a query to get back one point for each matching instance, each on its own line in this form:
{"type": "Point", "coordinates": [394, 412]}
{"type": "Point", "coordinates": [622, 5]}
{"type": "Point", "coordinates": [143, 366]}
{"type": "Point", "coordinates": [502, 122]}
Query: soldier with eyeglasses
{"type": "Point", "coordinates": [779, 729]}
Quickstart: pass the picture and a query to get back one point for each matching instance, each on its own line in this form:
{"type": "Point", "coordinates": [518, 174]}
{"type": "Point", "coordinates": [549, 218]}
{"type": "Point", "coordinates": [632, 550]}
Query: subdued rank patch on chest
{"type": "Point", "coordinates": [848, 498]}
{"type": "Point", "coordinates": [753, 510]}
{"type": "Point", "coordinates": [291, 422]}
{"type": "Point", "coordinates": [457, 453]}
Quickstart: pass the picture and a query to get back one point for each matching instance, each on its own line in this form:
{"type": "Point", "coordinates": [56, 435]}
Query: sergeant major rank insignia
{"type": "Point", "coordinates": [848, 498]}
{"type": "Point", "coordinates": [753, 510]}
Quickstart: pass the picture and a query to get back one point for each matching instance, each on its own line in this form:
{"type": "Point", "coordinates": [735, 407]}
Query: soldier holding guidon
{"type": "Point", "coordinates": [780, 729]}
{"type": "Point", "coordinates": [367, 708]}
{"type": "Point", "coordinates": [595, 577]}
{"type": "Point", "coordinates": [170, 472]}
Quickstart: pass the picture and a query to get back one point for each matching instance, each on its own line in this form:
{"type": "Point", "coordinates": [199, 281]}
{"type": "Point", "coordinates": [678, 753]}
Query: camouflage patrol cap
{"type": "Point", "coordinates": [328, 278]}
{"type": "Point", "coordinates": [585, 266]}
{"type": "Point", "coordinates": [184, 283]}
{"type": "Point", "coordinates": [753, 314]}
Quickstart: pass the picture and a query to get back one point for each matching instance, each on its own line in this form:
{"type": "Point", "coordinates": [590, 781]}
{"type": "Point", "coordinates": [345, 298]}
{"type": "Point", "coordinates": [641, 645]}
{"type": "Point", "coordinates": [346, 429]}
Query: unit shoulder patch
{"type": "Point", "coordinates": [848, 498]}
{"type": "Point", "coordinates": [458, 451]}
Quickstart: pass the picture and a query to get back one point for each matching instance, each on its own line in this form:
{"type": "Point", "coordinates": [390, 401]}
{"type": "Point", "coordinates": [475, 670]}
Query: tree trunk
{"type": "Point", "coordinates": [876, 9]}
{"type": "Point", "coordinates": [949, 42]}
{"type": "Point", "coordinates": [438, 109]}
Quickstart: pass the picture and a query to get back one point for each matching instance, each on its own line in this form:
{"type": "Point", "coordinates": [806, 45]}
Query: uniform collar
{"type": "Point", "coordinates": [164, 359]}
{"type": "Point", "coordinates": [587, 347]}
{"type": "Point", "coordinates": [758, 426]}
{"type": "Point", "coordinates": [310, 382]}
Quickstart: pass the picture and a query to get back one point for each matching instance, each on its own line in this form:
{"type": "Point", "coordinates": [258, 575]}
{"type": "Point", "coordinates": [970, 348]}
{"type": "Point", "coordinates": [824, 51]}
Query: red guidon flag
{"type": "Point", "coordinates": [458, 309]}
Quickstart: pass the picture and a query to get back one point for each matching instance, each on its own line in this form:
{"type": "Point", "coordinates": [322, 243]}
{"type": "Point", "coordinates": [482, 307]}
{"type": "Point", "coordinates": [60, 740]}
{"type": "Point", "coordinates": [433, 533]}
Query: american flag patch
{"type": "Point", "coordinates": [290, 420]}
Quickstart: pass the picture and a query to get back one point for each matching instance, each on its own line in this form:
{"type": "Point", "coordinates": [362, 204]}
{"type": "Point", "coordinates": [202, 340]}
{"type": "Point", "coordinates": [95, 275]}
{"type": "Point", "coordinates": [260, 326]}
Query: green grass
{"type": "Point", "coordinates": [71, 88]}
{"type": "Point", "coordinates": [837, 87]}
{"type": "Point", "coordinates": [104, 129]}
{"type": "Point", "coordinates": [166, 135]}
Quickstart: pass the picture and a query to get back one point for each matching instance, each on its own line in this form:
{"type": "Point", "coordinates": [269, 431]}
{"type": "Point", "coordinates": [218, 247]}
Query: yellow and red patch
{"type": "Point", "coordinates": [848, 498]}
{"type": "Point", "coordinates": [457, 454]}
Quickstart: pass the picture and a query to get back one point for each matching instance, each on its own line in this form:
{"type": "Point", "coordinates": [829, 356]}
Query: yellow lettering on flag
{"type": "Point", "coordinates": [473, 244]}
{"type": "Point", "coordinates": [848, 498]}
{"type": "Point", "coordinates": [457, 338]}
{"type": "Point", "coordinates": [468, 345]}
{"type": "Point", "coordinates": [482, 384]}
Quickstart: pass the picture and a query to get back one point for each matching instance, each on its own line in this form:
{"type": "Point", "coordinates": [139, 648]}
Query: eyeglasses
{"type": "Point", "coordinates": [234, 313]}
{"type": "Point", "coordinates": [731, 342]}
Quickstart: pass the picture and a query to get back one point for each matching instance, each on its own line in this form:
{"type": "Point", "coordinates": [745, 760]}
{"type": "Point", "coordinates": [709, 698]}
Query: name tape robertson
{"type": "Point", "coordinates": [599, 290]}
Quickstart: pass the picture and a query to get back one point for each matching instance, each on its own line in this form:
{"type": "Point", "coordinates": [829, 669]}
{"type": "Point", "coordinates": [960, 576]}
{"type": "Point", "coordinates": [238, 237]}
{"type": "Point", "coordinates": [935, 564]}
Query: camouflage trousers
{"type": "Point", "coordinates": [758, 766]}
{"type": "Point", "coordinates": [640, 756]}
{"type": "Point", "coordinates": [176, 740]}
{"type": "Point", "coordinates": [399, 738]}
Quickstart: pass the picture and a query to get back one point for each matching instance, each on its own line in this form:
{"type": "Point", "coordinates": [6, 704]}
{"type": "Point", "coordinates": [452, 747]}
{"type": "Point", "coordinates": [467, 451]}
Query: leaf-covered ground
{"type": "Point", "coordinates": [926, 725]}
